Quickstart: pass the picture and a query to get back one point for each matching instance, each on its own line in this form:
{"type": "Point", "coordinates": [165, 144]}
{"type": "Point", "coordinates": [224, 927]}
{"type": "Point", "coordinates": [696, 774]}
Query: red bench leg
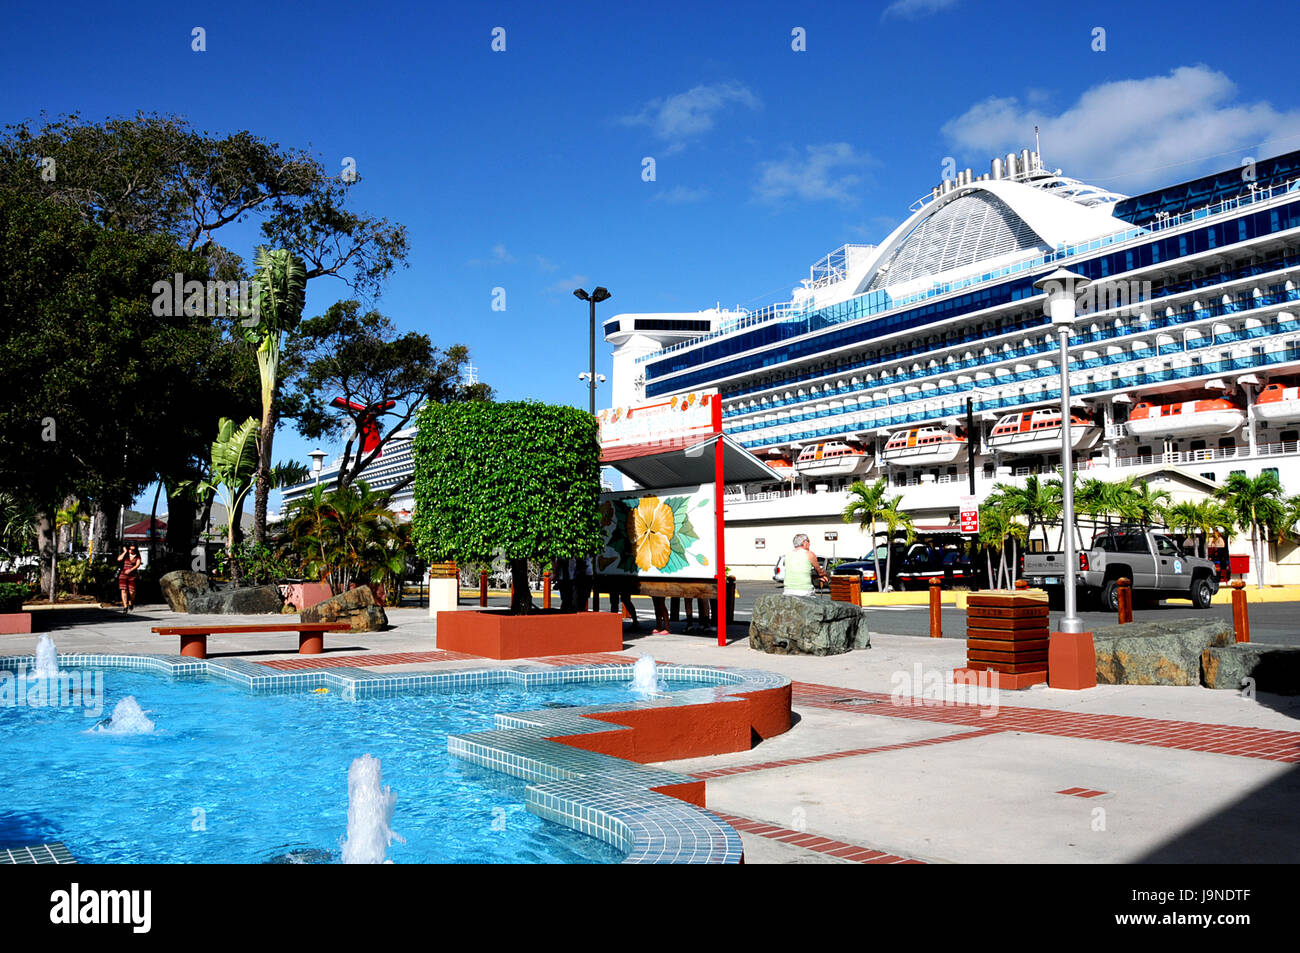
{"type": "Point", "coordinates": [311, 643]}
{"type": "Point", "coordinates": [195, 646]}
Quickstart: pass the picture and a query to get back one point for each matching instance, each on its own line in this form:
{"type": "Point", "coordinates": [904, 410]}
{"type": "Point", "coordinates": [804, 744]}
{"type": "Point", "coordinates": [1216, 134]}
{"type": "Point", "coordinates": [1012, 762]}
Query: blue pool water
{"type": "Point", "coordinates": [231, 777]}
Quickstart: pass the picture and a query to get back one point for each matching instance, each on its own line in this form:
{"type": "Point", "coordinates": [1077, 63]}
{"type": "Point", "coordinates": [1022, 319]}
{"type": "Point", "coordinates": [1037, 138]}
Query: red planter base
{"type": "Point", "coordinates": [501, 636]}
{"type": "Point", "coordinates": [19, 623]}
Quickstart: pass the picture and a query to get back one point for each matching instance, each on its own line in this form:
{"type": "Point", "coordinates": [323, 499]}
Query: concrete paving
{"type": "Point", "coordinates": [928, 787]}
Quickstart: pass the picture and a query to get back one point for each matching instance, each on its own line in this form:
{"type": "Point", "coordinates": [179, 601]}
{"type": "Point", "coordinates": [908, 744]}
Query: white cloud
{"type": "Point", "coordinates": [824, 172]}
{"type": "Point", "coordinates": [500, 256]}
{"type": "Point", "coordinates": [1132, 134]}
{"type": "Point", "coordinates": [681, 195]}
{"type": "Point", "coordinates": [914, 9]}
{"type": "Point", "coordinates": [681, 116]}
{"type": "Point", "coordinates": [566, 285]}
{"type": "Point", "coordinates": [545, 263]}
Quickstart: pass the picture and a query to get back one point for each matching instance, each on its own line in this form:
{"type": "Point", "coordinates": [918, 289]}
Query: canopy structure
{"type": "Point", "coordinates": [685, 461]}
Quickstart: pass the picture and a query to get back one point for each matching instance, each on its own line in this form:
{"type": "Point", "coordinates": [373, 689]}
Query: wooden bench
{"type": "Point", "coordinates": [194, 638]}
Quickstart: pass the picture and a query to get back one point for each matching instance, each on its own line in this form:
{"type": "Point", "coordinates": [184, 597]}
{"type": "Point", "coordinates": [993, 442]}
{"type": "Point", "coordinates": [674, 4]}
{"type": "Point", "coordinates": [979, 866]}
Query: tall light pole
{"type": "Point", "coordinates": [600, 294]}
{"type": "Point", "coordinates": [1062, 287]}
{"type": "Point", "coordinates": [317, 462]}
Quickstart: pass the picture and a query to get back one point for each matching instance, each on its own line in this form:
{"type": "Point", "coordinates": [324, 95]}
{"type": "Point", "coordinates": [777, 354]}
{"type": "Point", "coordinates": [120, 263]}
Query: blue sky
{"type": "Point", "coordinates": [522, 169]}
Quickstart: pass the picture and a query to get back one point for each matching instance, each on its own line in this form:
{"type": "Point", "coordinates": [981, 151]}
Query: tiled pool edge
{"type": "Point", "coordinates": [617, 800]}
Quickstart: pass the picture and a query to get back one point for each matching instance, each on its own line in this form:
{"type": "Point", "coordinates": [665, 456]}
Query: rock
{"type": "Point", "coordinates": [357, 607]}
{"type": "Point", "coordinates": [251, 600]}
{"type": "Point", "coordinates": [800, 625]}
{"type": "Point", "coordinates": [1274, 668]}
{"type": "Point", "coordinates": [180, 586]}
{"type": "Point", "coordinates": [1156, 653]}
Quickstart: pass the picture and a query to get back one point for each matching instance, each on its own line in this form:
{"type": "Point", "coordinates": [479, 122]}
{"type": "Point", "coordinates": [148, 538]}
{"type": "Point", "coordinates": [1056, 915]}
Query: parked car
{"type": "Point", "coordinates": [1154, 562]}
{"type": "Point", "coordinates": [829, 565]}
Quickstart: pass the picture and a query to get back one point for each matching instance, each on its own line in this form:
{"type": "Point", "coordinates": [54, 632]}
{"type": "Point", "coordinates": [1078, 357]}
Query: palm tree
{"type": "Point", "coordinates": [1256, 505]}
{"type": "Point", "coordinates": [234, 465]}
{"type": "Point", "coordinates": [1038, 501]}
{"type": "Point", "coordinates": [70, 518]}
{"type": "Point", "coordinates": [1146, 505]}
{"type": "Point", "coordinates": [1184, 517]}
{"type": "Point", "coordinates": [281, 280]}
{"type": "Point", "coordinates": [346, 536]}
{"type": "Point", "coordinates": [894, 518]}
{"type": "Point", "coordinates": [995, 527]}
{"type": "Point", "coordinates": [865, 506]}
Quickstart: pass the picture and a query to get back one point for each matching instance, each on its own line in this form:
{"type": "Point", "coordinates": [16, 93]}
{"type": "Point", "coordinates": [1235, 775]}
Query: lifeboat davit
{"type": "Point", "coordinates": [1039, 431]}
{"type": "Point", "coordinates": [924, 447]}
{"type": "Point", "coordinates": [782, 466]}
{"type": "Point", "coordinates": [834, 458]}
{"type": "Point", "coordinates": [1188, 418]}
{"type": "Point", "coordinates": [1278, 402]}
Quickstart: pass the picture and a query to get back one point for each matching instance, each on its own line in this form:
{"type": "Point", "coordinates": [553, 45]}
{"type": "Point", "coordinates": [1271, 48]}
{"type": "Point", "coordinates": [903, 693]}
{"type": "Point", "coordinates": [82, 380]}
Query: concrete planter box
{"type": "Point", "coordinates": [15, 623]}
{"type": "Point", "coordinates": [499, 635]}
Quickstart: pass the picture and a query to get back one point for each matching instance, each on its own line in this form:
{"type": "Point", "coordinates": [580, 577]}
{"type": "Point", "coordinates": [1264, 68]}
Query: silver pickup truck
{"type": "Point", "coordinates": [1155, 563]}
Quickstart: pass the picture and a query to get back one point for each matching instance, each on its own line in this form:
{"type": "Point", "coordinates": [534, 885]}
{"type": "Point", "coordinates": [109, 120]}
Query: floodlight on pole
{"type": "Point", "coordinates": [1062, 288]}
{"type": "Point", "coordinates": [597, 295]}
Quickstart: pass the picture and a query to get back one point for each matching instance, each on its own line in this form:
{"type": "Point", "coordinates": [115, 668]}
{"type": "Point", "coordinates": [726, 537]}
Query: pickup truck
{"type": "Point", "coordinates": [1154, 562]}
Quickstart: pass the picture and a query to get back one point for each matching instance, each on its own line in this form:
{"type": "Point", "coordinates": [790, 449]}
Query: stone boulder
{"type": "Point", "coordinates": [180, 586]}
{"type": "Point", "coordinates": [357, 607]}
{"type": "Point", "coordinates": [1156, 653]}
{"type": "Point", "coordinates": [802, 625]}
{"type": "Point", "coordinates": [251, 600]}
{"type": "Point", "coordinates": [1274, 668]}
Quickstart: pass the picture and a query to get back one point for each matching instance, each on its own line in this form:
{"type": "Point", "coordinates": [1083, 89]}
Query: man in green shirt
{"type": "Point", "coordinates": [800, 564]}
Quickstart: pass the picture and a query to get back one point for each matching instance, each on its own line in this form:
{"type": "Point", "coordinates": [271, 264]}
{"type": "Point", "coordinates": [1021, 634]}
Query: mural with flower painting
{"type": "Point", "coordinates": [664, 533]}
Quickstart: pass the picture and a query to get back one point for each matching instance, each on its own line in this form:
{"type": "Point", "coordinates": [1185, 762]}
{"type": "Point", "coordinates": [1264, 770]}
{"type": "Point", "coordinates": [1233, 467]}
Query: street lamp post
{"type": "Point", "coordinates": [1062, 287]}
{"type": "Point", "coordinates": [317, 462]}
{"type": "Point", "coordinates": [600, 294]}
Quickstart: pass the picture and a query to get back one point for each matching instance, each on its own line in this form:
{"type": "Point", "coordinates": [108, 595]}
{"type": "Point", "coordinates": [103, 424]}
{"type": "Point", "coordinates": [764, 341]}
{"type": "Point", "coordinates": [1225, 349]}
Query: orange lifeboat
{"type": "Point", "coordinates": [1188, 418]}
{"type": "Point", "coordinates": [834, 458]}
{"type": "Point", "coordinates": [1278, 402]}
{"type": "Point", "coordinates": [924, 447]}
{"type": "Point", "coordinates": [1039, 431]}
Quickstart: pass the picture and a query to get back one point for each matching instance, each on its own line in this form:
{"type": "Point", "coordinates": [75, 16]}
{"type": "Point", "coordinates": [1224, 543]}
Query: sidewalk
{"type": "Point", "coordinates": [884, 766]}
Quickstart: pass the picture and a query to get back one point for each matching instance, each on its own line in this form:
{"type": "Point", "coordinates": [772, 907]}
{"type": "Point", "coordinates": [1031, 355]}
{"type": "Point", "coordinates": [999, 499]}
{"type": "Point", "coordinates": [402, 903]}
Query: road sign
{"type": "Point", "coordinates": [970, 515]}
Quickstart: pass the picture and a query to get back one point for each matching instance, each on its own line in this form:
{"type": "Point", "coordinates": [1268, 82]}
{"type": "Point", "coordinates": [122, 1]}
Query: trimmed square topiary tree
{"type": "Point", "coordinates": [518, 478]}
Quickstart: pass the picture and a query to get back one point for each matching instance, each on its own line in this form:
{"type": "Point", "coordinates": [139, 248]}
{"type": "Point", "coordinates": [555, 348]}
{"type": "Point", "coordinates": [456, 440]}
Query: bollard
{"type": "Point", "coordinates": [936, 609]}
{"type": "Point", "coordinates": [482, 587]}
{"type": "Point", "coordinates": [1240, 614]}
{"type": "Point", "coordinates": [546, 590]}
{"type": "Point", "coordinates": [1124, 587]}
{"type": "Point", "coordinates": [1022, 584]}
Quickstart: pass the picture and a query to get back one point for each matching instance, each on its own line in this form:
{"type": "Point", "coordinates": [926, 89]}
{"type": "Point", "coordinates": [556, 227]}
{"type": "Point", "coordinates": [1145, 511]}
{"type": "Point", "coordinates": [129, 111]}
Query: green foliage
{"type": "Point", "coordinates": [346, 536]}
{"type": "Point", "coordinates": [13, 595]}
{"type": "Point", "coordinates": [95, 577]}
{"type": "Point", "coordinates": [520, 478]}
{"type": "Point", "coordinates": [257, 564]}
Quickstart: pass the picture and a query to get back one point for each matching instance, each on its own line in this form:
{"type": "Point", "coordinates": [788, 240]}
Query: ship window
{"type": "Point", "coordinates": [1209, 476]}
{"type": "Point", "coordinates": [1272, 470]}
{"type": "Point", "coordinates": [1227, 443]}
{"type": "Point", "coordinates": [1144, 451]}
{"type": "Point", "coordinates": [1290, 436]}
{"type": "Point", "coordinates": [1197, 445]}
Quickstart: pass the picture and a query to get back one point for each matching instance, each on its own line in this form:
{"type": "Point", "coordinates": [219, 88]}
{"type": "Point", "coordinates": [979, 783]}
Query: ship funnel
{"type": "Point", "coordinates": [1012, 169]}
{"type": "Point", "coordinates": [1025, 166]}
{"type": "Point", "coordinates": [995, 168]}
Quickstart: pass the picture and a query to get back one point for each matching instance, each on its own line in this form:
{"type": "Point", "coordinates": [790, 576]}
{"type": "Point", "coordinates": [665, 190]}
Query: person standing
{"type": "Point", "coordinates": [130, 560]}
{"type": "Point", "coordinates": [800, 566]}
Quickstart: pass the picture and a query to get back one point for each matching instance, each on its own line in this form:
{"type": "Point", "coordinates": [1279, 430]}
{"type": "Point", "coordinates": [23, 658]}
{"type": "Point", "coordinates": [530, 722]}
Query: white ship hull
{"type": "Point", "coordinates": [1206, 424]}
{"type": "Point", "coordinates": [928, 456]}
{"type": "Point", "coordinates": [1046, 441]}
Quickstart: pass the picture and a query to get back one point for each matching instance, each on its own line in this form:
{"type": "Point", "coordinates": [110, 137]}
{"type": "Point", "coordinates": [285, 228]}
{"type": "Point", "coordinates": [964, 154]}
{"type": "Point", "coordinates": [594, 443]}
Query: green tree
{"type": "Point", "coordinates": [234, 465]}
{"type": "Point", "coordinates": [519, 478]}
{"type": "Point", "coordinates": [281, 281]}
{"type": "Point", "coordinates": [1038, 501]}
{"type": "Point", "coordinates": [1257, 507]}
{"type": "Point", "coordinates": [866, 504]}
{"type": "Point", "coordinates": [894, 518]}
{"type": "Point", "coordinates": [382, 377]}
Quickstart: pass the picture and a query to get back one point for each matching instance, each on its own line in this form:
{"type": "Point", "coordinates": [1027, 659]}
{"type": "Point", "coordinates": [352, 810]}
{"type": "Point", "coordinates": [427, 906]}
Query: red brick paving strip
{"type": "Point", "coordinates": [823, 845]}
{"type": "Point", "coordinates": [1264, 743]}
{"type": "Point", "coordinates": [832, 755]}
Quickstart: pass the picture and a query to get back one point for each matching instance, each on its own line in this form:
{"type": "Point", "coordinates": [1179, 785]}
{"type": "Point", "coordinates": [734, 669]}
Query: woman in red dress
{"type": "Point", "coordinates": [130, 560]}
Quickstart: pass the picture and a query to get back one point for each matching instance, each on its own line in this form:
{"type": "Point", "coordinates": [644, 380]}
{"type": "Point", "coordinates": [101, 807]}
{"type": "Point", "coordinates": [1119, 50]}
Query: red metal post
{"type": "Point", "coordinates": [546, 590]}
{"type": "Point", "coordinates": [482, 587]}
{"type": "Point", "coordinates": [1124, 588]}
{"type": "Point", "coordinates": [1240, 614]}
{"type": "Point", "coordinates": [936, 609]}
{"type": "Point", "coordinates": [719, 491]}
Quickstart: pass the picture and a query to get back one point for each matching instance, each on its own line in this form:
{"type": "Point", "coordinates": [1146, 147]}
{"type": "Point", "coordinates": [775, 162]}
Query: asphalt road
{"type": "Point", "coordinates": [1277, 623]}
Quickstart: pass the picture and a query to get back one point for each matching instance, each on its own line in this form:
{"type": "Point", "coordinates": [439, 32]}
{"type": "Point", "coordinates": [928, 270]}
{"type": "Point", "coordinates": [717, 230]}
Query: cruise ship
{"type": "Point", "coordinates": [929, 356]}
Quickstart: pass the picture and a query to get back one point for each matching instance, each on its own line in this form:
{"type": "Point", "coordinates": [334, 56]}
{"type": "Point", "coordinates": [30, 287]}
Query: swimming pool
{"type": "Point", "coordinates": [233, 776]}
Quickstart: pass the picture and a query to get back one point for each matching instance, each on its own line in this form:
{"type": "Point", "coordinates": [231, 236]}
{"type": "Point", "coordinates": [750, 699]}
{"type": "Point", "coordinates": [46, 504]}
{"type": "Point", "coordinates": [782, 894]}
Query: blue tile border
{"type": "Point", "coordinates": [597, 794]}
